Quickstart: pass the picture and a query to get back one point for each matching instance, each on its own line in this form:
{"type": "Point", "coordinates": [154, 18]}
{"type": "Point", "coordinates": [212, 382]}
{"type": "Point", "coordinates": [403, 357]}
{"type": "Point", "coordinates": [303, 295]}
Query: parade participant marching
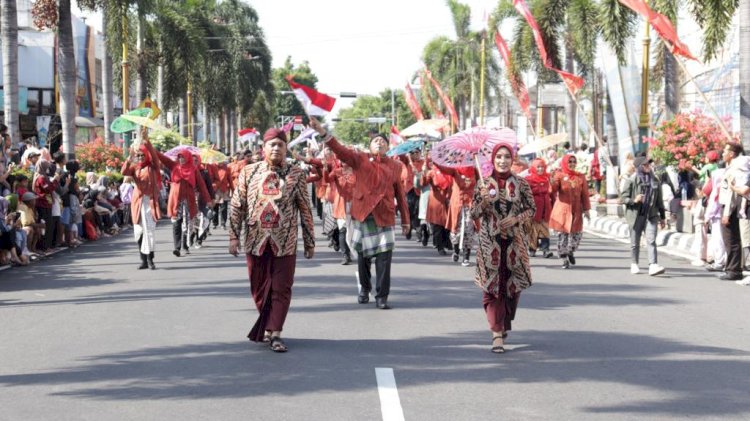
{"type": "Point", "coordinates": [571, 206]}
{"type": "Point", "coordinates": [459, 223]}
{"type": "Point", "coordinates": [270, 197]}
{"type": "Point", "coordinates": [344, 179]}
{"type": "Point", "coordinates": [538, 227]}
{"type": "Point", "coordinates": [437, 206]}
{"type": "Point", "coordinates": [182, 205]}
{"type": "Point", "coordinates": [221, 184]}
{"type": "Point", "coordinates": [201, 224]}
{"type": "Point", "coordinates": [373, 212]}
{"type": "Point", "coordinates": [503, 205]}
{"type": "Point", "coordinates": [143, 166]}
{"type": "Point", "coordinates": [412, 164]}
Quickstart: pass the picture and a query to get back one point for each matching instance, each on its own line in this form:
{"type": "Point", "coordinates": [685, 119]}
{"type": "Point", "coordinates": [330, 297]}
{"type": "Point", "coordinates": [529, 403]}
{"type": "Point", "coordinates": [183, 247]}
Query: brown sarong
{"type": "Point", "coordinates": [271, 280]}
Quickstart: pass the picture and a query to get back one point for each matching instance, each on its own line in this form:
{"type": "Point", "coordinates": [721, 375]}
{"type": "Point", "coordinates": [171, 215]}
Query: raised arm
{"type": "Point", "coordinates": [165, 160]}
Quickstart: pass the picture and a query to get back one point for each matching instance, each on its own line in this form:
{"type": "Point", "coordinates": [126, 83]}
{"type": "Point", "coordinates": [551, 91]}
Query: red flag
{"type": "Point", "coordinates": [411, 101]}
{"type": "Point", "coordinates": [314, 102]}
{"type": "Point", "coordinates": [446, 101]}
{"type": "Point", "coordinates": [428, 99]}
{"type": "Point", "coordinates": [662, 25]}
{"type": "Point", "coordinates": [572, 82]}
{"type": "Point", "coordinates": [517, 85]}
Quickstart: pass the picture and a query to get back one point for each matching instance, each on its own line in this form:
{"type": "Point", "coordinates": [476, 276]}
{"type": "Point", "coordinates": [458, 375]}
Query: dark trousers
{"type": "Point", "coordinates": [412, 201]}
{"type": "Point", "coordinates": [382, 271]}
{"type": "Point", "coordinates": [220, 214]}
{"type": "Point", "coordinates": [441, 237]}
{"type": "Point", "coordinates": [49, 227]}
{"type": "Point", "coordinates": [180, 238]}
{"type": "Point", "coordinates": [733, 243]}
{"type": "Point", "coordinates": [343, 246]}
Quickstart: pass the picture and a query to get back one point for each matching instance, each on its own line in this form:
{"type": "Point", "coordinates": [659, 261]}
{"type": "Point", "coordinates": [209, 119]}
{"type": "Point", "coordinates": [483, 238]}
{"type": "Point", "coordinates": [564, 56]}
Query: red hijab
{"type": "Point", "coordinates": [498, 176]}
{"type": "Point", "coordinates": [146, 161]}
{"type": "Point", "coordinates": [442, 181]}
{"type": "Point", "coordinates": [570, 172]}
{"type": "Point", "coordinates": [537, 178]}
{"type": "Point", "coordinates": [185, 171]}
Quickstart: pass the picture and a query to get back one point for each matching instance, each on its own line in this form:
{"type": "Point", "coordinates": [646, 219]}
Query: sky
{"type": "Point", "coordinates": [355, 46]}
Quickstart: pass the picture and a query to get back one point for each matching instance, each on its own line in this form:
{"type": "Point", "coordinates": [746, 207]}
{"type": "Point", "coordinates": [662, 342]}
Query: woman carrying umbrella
{"type": "Point", "coordinates": [373, 211]}
{"type": "Point", "coordinates": [538, 228]}
{"type": "Point", "coordinates": [182, 206]}
{"type": "Point", "coordinates": [571, 206]}
{"type": "Point", "coordinates": [502, 205]}
{"type": "Point", "coordinates": [143, 166]}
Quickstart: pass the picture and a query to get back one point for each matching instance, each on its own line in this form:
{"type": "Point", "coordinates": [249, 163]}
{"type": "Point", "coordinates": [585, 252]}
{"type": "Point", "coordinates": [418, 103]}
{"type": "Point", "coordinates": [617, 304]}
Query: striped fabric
{"type": "Point", "coordinates": [368, 239]}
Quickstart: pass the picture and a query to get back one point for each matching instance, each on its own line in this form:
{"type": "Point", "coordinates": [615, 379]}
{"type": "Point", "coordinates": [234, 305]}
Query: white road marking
{"type": "Point", "coordinates": [390, 404]}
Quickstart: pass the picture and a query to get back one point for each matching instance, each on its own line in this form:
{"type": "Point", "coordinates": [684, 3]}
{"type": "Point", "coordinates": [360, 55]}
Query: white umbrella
{"type": "Point", "coordinates": [429, 127]}
{"type": "Point", "coordinates": [543, 143]}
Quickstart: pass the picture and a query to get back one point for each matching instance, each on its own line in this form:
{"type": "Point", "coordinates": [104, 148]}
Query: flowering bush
{"type": "Point", "coordinates": [97, 156]}
{"type": "Point", "coordinates": [684, 140]}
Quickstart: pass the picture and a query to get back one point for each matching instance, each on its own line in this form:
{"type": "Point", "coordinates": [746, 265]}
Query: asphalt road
{"type": "Point", "coordinates": [86, 336]}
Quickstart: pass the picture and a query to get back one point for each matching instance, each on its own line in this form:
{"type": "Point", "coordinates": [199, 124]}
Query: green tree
{"type": "Point", "coordinates": [353, 126]}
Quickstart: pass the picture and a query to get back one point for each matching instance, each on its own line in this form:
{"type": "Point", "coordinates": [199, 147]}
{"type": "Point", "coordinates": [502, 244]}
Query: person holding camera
{"type": "Point", "coordinates": [644, 209]}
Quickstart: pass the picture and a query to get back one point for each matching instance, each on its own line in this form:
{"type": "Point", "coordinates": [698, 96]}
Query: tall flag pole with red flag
{"type": "Point", "coordinates": [411, 101]}
{"type": "Point", "coordinates": [428, 99]}
{"type": "Point", "coordinates": [443, 97]}
{"type": "Point", "coordinates": [516, 84]}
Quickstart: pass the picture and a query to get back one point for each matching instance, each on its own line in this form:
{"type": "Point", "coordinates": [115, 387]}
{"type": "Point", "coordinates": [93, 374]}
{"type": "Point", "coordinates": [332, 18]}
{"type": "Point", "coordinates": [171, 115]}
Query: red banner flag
{"type": "Point", "coordinates": [411, 101]}
{"type": "Point", "coordinates": [314, 102]}
{"type": "Point", "coordinates": [517, 85]}
{"type": "Point", "coordinates": [446, 101]}
{"type": "Point", "coordinates": [662, 25]}
{"type": "Point", "coordinates": [572, 82]}
{"type": "Point", "coordinates": [428, 99]}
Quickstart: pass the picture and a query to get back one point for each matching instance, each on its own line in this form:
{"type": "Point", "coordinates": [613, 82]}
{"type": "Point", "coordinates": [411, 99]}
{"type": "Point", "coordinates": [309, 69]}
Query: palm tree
{"type": "Point", "coordinates": [66, 70]}
{"type": "Point", "coordinates": [107, 86]}
{"type": "Point", "coordinates": [744, 12]}
{"type": "Point", "coordinates": [9, 27]}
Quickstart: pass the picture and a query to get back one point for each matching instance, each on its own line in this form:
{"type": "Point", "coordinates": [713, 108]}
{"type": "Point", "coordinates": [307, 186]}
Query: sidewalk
{"type": "Point", "coordinates": [668, 241]}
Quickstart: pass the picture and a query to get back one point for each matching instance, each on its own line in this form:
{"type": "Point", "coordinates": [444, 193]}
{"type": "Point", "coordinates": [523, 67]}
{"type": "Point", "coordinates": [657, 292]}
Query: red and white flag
{"type": "Point", "coordinates": [443, 97]}
{"type": "Point", "coordinates": [395, 136]}
{"type": "Point", "coordinates": [436, 113]}
{"type": "Point", "coordinates": [314, 102]}
{"type": "Point", "coordinates": [662, 25]}
{"type": "Point", "coordinates": [572, 82]}
{"type": "Point", "coordinates": [411, 101]}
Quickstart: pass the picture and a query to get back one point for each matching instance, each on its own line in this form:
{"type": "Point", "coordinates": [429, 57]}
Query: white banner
{"type": "Point", "coordinates": [42, 129]}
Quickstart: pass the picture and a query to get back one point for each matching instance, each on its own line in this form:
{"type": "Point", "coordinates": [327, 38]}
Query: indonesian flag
{"type": "Point", "coordinates": [248, 135]}
{"type": "Point", "coordinates": [516, 84]}
{"type": "Point", "coordinates": [314, 102]}
{"type": "Point", "coordinates": [446, 101]}
{"type": "Point", "coordinates": [572, 82]}
{"type": "Point", "coordinates": [411, 101]}
{"type": "Point", "coordinates": [395, 136]}
{"type": "Point", "coordinates": [662, 25]}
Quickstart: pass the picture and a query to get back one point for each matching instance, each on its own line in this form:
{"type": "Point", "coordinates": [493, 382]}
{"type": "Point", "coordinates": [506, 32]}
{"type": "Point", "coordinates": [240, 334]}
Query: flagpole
{"type": "Point", "coordinates": [481, 82]}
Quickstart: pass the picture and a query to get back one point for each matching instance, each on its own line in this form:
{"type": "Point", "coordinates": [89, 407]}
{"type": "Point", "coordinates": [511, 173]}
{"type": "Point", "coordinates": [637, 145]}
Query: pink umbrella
{"type": "Point", "coordinates": [172, 153]}
{"type": "Point", "coordinates": [465, 148]}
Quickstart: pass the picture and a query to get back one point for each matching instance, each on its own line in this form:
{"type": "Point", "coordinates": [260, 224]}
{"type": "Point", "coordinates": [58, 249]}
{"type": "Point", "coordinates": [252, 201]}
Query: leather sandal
{"type": "Point", "coordinates": [497, 349]}
{"type": "Point", "coordinates": [277, 345]}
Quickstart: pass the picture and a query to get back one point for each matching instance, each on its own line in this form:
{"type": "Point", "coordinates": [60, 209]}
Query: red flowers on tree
{"type": "Point", "coordinates": [97, 156]}
{"type": "Point", "coordinates": [685, 140]}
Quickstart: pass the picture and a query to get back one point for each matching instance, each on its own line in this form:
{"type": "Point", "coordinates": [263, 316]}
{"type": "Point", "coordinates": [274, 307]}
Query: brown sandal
{"type": "Point", "coordinates": [497, 349]}
{"type": "Point", "coordinates": [277, 345]}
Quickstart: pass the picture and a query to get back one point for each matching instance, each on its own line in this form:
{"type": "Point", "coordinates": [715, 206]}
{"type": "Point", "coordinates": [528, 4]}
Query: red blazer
{"type": "Point", "coordinates": [377, 200]}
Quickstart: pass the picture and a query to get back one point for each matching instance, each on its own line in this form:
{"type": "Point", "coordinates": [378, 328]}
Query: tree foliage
{"type": "Point", "coordinates": [353, 127]}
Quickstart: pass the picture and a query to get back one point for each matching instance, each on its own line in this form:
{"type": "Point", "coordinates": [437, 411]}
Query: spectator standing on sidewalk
{"type": "Point", "coordinates": [644, 209]}
{"type": "Point", "coordinates": [731, 210]}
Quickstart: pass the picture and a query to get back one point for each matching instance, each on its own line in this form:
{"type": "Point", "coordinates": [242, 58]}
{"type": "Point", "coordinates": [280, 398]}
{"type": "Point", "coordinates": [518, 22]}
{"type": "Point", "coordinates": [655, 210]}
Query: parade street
{"type": "Point", "coordinates": [98, 339]}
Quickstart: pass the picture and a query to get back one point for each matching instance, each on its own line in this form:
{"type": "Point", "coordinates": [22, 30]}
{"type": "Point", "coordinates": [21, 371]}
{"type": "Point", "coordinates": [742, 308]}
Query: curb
{"type": "Point", "coordinates": [672, 242]}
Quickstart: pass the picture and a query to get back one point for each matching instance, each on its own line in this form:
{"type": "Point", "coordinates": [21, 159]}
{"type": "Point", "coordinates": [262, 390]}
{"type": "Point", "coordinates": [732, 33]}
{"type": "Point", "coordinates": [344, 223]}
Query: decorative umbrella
{"type": "Point", "coordinates": [543, 143]}
{"type": "Point", "coordinates": [172, 153]}
{"type": "Point", "coordinates": [406, 147]}
{"type": "Point", "coordinates": [210, 156]}
{"type": "Point", "coordinates": [123, 125]}
{"type": "Point", "coordinates": [143, 121]}
{"type": "Point", "coordinates": [466, 148]}
{"type": "Point", "coordinates": [429, 127]}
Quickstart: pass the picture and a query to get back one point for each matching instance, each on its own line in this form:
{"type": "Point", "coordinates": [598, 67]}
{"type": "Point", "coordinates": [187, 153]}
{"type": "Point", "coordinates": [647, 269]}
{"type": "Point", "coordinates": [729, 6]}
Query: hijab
{"type": "Point", "coordinates": [570, 172]}
{"type": "Point", "coordinates": [537, 178]}
{"type": "Point", "coordinates": [442, 181]}
{"type": "Point", "coordinates": [146, 161]}
{"type": "Point", "coordinates": [184, 171]}
{"type": "Point", "coordinates": [500, 177]}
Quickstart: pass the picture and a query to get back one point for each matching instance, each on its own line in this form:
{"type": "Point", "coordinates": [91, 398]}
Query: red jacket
{"type": "Point", "coordinates": [383, 186]}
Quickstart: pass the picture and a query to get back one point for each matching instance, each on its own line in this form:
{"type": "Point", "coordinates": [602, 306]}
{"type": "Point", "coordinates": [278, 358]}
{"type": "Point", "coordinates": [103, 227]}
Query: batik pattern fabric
{"type": "Point", "coordinates": [536, 230]}
{"type": "Point", "coordinates": [465, 234]}
{"type": "Point", "coordinates": [368, 239]}
{"type": "Point", "coordinates": [568, 243]}
{"type": "Point", "coordinates": [269, 201]}
{"type": "Point", "coordinates": [498, 245]}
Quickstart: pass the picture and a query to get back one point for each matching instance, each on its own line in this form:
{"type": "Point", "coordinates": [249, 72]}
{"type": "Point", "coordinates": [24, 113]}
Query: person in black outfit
{"type": "Point", "coordinates": [731, 202]}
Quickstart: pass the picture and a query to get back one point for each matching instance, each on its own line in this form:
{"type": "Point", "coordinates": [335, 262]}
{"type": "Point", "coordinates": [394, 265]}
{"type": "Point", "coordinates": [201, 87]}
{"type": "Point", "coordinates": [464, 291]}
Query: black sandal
{"type": "Point", "coordinates": [267, 337]}
{"type": "Point", "coordinates": [277, 345]}
{"type": "Point", "coordinates": [497, 349]}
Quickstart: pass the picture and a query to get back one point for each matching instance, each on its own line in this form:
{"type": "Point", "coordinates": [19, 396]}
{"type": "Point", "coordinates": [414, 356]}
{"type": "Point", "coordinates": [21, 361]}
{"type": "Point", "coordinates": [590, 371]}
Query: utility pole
{"type": "Point", "coordinates": [643, 124]}
{"type": "Point", "coordinates": [125, 77]}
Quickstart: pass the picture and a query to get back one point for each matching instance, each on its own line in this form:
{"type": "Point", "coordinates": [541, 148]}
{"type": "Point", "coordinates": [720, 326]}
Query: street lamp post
{"type": "Point", "coordinates": [643, 124]}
